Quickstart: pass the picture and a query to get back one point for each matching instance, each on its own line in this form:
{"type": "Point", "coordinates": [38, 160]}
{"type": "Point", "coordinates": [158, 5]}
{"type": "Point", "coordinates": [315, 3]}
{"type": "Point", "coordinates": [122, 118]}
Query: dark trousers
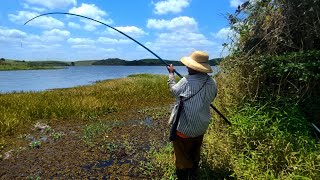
{"type": "Point", "coordinates": [187, 156]}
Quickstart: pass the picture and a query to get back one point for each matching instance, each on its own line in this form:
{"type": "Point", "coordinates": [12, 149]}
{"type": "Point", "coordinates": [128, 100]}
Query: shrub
{"type": "Point", "coordinates": [276, 26]}
{"type": "Point", "coordinates": [273, 142]}
{"type": "Point", "coordinates": [291, 76]}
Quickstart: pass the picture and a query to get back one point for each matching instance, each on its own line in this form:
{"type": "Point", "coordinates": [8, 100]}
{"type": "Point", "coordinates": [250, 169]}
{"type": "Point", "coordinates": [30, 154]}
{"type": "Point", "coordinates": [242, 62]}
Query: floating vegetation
{"type": "Point", "coordinates": [35, 144]}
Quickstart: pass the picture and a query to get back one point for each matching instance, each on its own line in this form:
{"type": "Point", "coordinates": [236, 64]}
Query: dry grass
{"type": "Point", "coordinates": [19, 110]}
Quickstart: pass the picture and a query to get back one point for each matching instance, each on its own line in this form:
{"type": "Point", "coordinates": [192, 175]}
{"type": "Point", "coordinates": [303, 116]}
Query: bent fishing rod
{"type": "Point", "coordinates": [72, 14]}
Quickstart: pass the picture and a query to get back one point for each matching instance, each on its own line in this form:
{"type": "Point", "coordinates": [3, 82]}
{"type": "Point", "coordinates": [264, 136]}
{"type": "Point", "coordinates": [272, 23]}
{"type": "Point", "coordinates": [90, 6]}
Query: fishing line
{"type": "Point", "coordinates": [127, 37]}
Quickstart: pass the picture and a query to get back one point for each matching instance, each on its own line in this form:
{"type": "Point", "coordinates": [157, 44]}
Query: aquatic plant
{"type": "Point", "coordinates": [35, 144]}
{"type": "Point", "coordinates": [86, 103]}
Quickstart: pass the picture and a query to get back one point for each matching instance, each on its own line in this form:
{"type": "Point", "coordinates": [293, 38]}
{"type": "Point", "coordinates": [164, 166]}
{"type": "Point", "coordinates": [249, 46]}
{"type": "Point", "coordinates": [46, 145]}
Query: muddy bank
{"type": "Point", "coordinates": [101, 149]}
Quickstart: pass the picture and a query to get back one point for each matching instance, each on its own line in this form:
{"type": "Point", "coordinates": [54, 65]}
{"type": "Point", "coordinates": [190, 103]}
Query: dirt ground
{"type": "Point", "coordinates": [105, 148]}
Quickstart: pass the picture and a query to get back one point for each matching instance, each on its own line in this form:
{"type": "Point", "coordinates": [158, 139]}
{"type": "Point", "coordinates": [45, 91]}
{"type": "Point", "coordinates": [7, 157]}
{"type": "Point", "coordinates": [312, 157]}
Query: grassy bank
{"type": "Point", "coordinates": [100, 130]}
{"type": "Point", "coordinates": [12, 65]}
{"type": "Point", "coordinates": [266, 141]}
{"type": "Point", "coordinates": [25, 67]}
{"type": "Point", "coordinates": [19, 110]}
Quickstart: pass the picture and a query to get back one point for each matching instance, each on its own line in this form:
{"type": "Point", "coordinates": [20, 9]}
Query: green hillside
{"type": "Point", "coordinates": [141, 62]}
{"type": "Point", "coordinates": [84, 62]}
{"type": "Point", "coordinates": [8, 64]}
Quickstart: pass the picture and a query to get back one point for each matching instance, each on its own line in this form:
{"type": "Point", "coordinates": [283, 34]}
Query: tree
{"type": "Point", "coordinates": [2, 59]}
{"type": "Point", "coordinates": [276, 26]}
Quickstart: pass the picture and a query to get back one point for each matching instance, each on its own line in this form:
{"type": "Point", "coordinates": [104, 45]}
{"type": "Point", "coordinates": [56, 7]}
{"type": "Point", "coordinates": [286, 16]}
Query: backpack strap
{"type": "Point", "coordinates": [196, 92]}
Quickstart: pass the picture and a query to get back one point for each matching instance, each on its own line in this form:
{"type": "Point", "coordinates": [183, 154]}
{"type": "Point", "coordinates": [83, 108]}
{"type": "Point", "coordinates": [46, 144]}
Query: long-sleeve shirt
{"type": "Point", "coordinates": [195, 116]}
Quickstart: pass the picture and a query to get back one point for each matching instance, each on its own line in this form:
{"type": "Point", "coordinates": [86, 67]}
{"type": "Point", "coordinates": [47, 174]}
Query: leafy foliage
{"type": "Point", "coordinates": [146, 62]}
{"type": "Point", "coordinates": [273, 142]}
{"type": "Point", "coordinates": [269, 88]}
{"type": "Point", "coordinates": [276, 26]}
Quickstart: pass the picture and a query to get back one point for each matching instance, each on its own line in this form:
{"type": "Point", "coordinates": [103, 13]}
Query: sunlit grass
{"type": "Point", "coordinates": [13, 67]}
{"type": "Point", "coordinates": [19, 110]}
{"type": "Point", "coordinates": [267, 139]}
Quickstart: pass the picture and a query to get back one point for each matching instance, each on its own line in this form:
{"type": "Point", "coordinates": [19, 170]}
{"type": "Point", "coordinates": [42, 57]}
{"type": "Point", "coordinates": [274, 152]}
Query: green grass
{"type": "Point", "coordinates": [12, 65]}
{"type": "Point", "coordinates": [273, 142]}
{"type": "Point", "coordinates": [25, 67]}
{"type": "Point", "coordinates": [266, 141]}
{"type": "Point", "coordinates": [161, 161]}
{"type": "Point", "coordinates": [85, 62]}
{"type": "Point", "coordinates": [90, 132]}
{"type": "Point", "coordinates": [20, 110]}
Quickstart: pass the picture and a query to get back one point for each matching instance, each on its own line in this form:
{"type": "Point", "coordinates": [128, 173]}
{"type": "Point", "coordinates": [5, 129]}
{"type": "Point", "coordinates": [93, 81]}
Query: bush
{"type": "Point", "coordinates": [268, 88]}
{"type": "Point", "coordinates": [271, 142]}
{"type": "Point", "coordinates": [276, 26]}
{"type": "Point", "coordinates": [291, 76]}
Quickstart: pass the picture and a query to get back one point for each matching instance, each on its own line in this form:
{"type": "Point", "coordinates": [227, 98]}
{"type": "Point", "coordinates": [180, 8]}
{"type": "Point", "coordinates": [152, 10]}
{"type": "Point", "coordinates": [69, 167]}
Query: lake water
{"type": "Point", "coordinates": [39, 80]}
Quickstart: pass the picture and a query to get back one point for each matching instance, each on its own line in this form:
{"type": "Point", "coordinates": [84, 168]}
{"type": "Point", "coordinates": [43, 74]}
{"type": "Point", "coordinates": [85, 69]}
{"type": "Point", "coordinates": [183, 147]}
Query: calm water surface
{"type": "Point", "coordinates": [39, 80]}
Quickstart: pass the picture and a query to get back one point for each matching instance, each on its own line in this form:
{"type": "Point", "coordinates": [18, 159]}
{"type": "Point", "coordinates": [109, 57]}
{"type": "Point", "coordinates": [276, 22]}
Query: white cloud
{"type": "Point", "coordinates": [89, 10]}
{"type": "Point", "coordinates": [170, 6]}
{"type": "Point", "coordinates": [56, 35]}
{"type": "Point", "coordinates": [105, 40]}
{"type": "Point", "coordinates": [52, 4]}
{"type": "Point", "coordinates": [6, 33]}
{"type": "Point", "coordinates": [92, 11]}
{"type": "Point", "coordinates": [82, 46]}
{"type": "Point", "coordinates": [26, 6]}
{"type": "Point", "coordinates": [107, 50]}
{"type": "Point", "coordinates": [224, 33]}
{"type": "Point", "coordinates": [10, 38]}
{"type": "Point", "coordinates": [74, 25]}
{"type": "Point", "coordinates": [56, 32]}
{"type": "Point", "coordinates": [17, 40]}
{"type": "Point", "coordinates": [185, 39]}
{"type": "Point", "coordinates": [236, 3]}
{"type": "Point", "coordinates": [80, 41]}
{"type": "Point", "coordinates": [180, 37]}
{"type": "Point", "coordinates": [177, 44]}
{"type": "Point", "coordinates": [132, 31]}
{"type": "Point", "coordinates": [179, 23]}
{"type": "Point", "coordinates": [43, 22]}
{"type": "Point", "coordinates": [41, 47]}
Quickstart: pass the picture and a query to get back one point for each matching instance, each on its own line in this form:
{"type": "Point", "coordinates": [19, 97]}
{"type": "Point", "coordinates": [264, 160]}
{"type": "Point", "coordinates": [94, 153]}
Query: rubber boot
{"type": "Point", "coordinates": [182, 174]}
{"type": "Point", "coordinates": [193, 172]}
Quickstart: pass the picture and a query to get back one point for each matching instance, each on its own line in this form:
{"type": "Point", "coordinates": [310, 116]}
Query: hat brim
{"type": "Point", "coordinates": [201, 67]}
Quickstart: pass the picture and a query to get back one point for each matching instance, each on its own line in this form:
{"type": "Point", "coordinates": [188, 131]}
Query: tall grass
{"type": "Point", "coordinates": [18, 110]}
{"type": "Point", "coordinates": [24, 67]}
{"type": "Point", "coordinates": [270, 134]}
{"type": "Point", "coordinates": [273, 142]}
{"type": "Point", "coordinates": [9, 65]}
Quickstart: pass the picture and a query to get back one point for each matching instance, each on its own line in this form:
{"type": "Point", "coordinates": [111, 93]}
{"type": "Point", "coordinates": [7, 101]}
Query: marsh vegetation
{"type": "Point", "coordinates": [12, 65]}
{"type": "Point", "coordinates": [268, 89]}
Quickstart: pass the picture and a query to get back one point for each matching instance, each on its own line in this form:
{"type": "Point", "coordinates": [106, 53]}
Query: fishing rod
{"type": "Point", "coordinates": [72, 14]}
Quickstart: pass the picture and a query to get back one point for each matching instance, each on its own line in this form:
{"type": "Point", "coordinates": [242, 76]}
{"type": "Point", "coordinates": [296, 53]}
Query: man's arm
{"type": "Point", "coordinates": [171, 80]}
{"type": "Point", "coordinates": [175, 88]}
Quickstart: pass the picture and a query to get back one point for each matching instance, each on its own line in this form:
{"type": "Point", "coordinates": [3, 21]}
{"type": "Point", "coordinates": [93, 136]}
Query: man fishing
{"type": "Point", "coordinates": [191, 115]}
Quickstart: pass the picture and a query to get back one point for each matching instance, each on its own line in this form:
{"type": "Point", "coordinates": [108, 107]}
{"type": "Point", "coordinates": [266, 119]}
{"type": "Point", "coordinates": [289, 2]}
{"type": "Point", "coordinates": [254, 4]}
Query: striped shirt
{"type": "Point", "coordinates": [195, 116]}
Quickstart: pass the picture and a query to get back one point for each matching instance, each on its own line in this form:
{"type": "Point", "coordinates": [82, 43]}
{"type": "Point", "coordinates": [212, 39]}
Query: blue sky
{"type": "Point", "coordinates": [170, 28]}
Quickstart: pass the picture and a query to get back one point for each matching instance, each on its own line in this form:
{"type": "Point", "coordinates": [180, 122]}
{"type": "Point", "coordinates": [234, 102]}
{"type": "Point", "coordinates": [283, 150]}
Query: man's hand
{"type": "Point", "coordinates": [170, 68]}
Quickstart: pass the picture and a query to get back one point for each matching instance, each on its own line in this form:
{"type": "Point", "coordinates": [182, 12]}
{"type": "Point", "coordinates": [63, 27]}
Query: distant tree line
{"type": "Point", "coordinates": [145, 62]}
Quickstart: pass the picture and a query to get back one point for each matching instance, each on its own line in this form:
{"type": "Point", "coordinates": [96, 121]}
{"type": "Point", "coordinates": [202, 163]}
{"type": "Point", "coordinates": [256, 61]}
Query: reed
{"type": "Point", "coordinates": [19, 110]}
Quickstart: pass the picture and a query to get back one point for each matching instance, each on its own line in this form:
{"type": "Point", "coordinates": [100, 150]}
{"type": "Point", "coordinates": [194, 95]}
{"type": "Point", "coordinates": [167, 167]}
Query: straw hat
{"type": "Point", "coordinates": [198, 61]}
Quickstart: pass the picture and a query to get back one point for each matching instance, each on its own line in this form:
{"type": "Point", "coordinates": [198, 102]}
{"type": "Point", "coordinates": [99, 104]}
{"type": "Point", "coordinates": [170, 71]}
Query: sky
{"type": "Point", "coordinates": [170, 28]}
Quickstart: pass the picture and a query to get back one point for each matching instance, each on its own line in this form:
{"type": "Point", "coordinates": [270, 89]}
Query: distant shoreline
{"type": "Point", "coordinates": [12, 65]}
